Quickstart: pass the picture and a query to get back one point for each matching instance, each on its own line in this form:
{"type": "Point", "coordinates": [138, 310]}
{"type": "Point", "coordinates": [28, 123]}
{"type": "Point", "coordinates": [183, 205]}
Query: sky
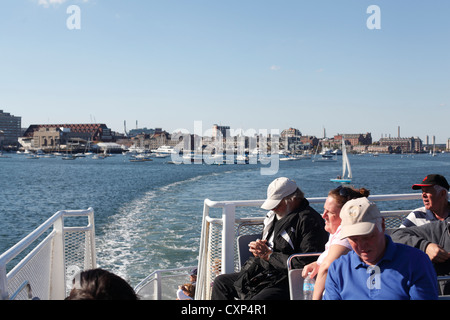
{"type": "Point", "coordinates": [248, 64]}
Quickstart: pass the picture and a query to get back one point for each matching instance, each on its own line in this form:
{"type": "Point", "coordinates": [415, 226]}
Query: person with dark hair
{"type": "Point", "coordinates": [99, 284]}
{"type": "Point", "coordinates": [335, 247]}
{"type": "Point", "coordinates": [291, 226]}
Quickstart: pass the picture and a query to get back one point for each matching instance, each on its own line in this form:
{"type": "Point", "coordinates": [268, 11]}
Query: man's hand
{"type": "Point", "coordinates": [436, 253]}
{"type": "Point", "coordinates": [260, 249]}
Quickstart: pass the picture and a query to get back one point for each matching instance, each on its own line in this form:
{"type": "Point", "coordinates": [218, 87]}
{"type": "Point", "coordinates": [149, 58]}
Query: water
{"type": "Point", "coordinates": [148, 214]}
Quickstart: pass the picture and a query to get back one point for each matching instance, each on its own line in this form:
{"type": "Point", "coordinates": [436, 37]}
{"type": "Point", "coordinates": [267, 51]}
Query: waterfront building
{"type": "Point", "coordinates": [11, 127]}
{"type": "Point", "coordinates": [47, 138]}
{"type": "Point", "coordinates": [153, 141]}
{"type": "Point", "coordinates": [380, 149]}
{"type": "Point", "coordinates": [135, 132]}
{"type": "Point", "coordinates": [291, 139]}
{"type": "Point", "coordinates": [402, 145]}
{"type": "Point", "coordinates": [310, 141]}
{"type": "Point", "coordinates": [89, 132]}
{"type": "Point", "coordinates": [354, 139]}
{"type": "Point", "coordinates": [220, 131]}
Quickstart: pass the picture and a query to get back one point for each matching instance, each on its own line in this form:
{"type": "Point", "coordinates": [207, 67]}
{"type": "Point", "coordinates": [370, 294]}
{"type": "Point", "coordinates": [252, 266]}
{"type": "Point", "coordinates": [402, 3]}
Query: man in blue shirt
{"type": "Point", "coordinates": [377, 268]}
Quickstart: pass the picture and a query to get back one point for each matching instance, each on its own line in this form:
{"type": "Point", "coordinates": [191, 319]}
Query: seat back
{"type": "Point", "coordinates": [243, 252]}
{"type": "Point", "coordinates": [295, 276]}
{"type": "Point", "coordinates": [296, 284]}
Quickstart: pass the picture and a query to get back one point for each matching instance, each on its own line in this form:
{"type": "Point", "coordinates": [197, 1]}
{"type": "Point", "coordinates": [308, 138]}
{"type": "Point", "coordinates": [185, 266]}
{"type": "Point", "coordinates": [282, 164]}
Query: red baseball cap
{"type": "Point", "coordinates": [431, 180]}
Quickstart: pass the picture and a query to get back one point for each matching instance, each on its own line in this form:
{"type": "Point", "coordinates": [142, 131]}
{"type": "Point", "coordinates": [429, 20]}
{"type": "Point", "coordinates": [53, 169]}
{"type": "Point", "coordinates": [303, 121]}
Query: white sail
{"type": "Point", "coordinates": [345, 161]}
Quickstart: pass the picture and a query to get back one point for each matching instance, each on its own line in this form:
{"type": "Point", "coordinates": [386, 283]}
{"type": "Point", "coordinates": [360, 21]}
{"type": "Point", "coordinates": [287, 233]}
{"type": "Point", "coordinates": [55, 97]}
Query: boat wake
{"type": "Point", "coordinates": [155, 231]}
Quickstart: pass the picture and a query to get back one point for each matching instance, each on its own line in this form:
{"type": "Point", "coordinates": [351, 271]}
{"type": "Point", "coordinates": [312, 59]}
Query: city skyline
{"type": "Point", "coordinates": [311, 65]}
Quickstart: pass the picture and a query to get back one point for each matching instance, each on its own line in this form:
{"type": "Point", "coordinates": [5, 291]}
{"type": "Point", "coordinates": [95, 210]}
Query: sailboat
{"type": "Point", "coordinates": [345, 167]}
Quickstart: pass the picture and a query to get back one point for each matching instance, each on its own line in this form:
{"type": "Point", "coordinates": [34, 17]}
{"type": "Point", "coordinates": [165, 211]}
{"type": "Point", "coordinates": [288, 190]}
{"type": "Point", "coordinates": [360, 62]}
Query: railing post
{"type": "Point", "coordinates": [3, 283]}
{"type": "Point", "coordinates": [57, 269]}
{"type": "Point", "coordinates": [158, 286]}
{"type": "Point", "coordinates": [228, 218]}
{"type": "Point", "coordinates": [92, 251]}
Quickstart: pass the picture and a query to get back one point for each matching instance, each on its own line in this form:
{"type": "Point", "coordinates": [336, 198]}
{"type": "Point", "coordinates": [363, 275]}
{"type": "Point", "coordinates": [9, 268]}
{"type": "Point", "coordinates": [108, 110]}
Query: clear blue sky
{"type": "Point", "coordinates": [251, 64]}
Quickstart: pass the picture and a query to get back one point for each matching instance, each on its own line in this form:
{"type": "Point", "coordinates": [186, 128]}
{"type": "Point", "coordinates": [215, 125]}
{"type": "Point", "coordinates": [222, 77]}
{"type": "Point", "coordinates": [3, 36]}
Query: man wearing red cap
{"type": "Point", "coordinates": [435, 199]}
{"type": "Point", "coordinates": [432, 233]}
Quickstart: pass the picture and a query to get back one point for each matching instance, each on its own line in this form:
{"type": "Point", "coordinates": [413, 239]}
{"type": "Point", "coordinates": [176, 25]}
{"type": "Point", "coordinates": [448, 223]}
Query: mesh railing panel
{"type": "Point", "coordinates": [36, 272]}
{"type": "Point", "coordinates": [77, 255]}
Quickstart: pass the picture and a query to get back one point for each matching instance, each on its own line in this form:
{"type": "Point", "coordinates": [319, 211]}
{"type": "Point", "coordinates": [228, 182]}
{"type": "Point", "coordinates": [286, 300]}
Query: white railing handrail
{"type": "Point", "coordinates": [313, 200]}
{"type": "Point", "coordinates": [57, 225]}
{"type": "Point", "coordinates": [14, 251]}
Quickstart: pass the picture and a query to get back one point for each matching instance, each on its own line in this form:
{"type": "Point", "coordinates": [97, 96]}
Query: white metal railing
{"type": "Point", "coordinates": [228, 235]}
{"type": "Point", "coordinates": [45, 269]}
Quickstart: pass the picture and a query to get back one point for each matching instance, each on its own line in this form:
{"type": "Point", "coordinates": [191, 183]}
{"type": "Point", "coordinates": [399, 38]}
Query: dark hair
{"type": "Point", "coordinates": [342, 194]}
{"type": "Point", "coordinates": [99, 284]}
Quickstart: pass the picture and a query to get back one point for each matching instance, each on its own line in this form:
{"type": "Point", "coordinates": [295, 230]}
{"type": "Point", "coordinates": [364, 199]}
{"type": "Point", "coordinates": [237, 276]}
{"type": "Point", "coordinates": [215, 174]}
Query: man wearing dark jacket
{"type": "Point", "coordinates": [291, 226]}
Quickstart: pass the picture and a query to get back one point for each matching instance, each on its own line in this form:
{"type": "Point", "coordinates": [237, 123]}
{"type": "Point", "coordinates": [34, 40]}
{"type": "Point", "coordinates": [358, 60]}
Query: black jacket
{"type": "Point", "coordinates": [300, 231]}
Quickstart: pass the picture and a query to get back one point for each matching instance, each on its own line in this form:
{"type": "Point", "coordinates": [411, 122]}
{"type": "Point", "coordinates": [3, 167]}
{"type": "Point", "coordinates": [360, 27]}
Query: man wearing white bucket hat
{"type": "Point", "coordinates": [291, 226]}
{"type": "Point", "coordinates": [377, 268]}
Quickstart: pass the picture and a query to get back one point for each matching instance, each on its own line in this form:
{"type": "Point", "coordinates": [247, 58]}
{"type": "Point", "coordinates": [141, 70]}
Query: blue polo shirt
{"type": "Point", "coordinates": [403, 273]}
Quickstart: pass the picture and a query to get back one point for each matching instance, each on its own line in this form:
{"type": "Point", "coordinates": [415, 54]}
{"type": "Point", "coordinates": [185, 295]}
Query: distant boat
{"type": "Point", "coordinates": [69, 157]}
{"type": "Point", "coordinates": [346, 169]}
{"type": "Point", "coordinates": [164, 150]}
{"type": "Point", "coordinates": [140, 158]}
{"type": "Point", "coordinates": [325, 156]}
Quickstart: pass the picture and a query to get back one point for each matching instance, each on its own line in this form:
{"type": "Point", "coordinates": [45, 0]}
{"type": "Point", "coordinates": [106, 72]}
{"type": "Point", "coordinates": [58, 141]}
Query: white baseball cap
{"type": "Point", "coordinates": [277, 190]}
{"type": "Point", "coordinates": [359, 217]}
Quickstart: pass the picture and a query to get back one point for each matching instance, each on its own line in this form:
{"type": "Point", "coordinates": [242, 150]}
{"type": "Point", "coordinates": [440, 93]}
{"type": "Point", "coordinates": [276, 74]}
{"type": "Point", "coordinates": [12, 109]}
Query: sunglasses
{"type": "Point", "coordinates": [344, 191]}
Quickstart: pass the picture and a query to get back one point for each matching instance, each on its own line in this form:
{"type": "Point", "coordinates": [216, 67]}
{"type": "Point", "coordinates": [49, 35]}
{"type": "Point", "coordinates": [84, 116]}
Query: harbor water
{"type": "Point", "coordinates": [148, 214]}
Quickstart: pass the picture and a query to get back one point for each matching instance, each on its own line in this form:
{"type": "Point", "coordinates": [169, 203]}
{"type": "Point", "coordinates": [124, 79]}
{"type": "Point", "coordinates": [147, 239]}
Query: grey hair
{"type": "Point", "coordinates": [296, 195]}
{"type": "Point", "coordinates": [439, 189]}
{"type": "Point", "coordinates": [379, 224]}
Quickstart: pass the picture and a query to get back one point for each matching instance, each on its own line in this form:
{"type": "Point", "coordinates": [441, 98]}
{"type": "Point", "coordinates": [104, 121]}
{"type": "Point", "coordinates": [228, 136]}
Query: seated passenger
{"type": "Point", "coordinates": [335, 247]}
{"type": "Point", "coordinates": [291, 226]}
{"type": "Point", "coordinates": [186, 292]}
{"type": "Point", "coordinates": [377, 268]}
{"type": "Point", "coordinates": [435, 199]}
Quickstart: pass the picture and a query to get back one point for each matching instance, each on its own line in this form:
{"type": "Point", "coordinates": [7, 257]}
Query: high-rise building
{"type": "Point", "coordinates": [220, 131]}
{"type": "Point", "coordinates": [11, 127]}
